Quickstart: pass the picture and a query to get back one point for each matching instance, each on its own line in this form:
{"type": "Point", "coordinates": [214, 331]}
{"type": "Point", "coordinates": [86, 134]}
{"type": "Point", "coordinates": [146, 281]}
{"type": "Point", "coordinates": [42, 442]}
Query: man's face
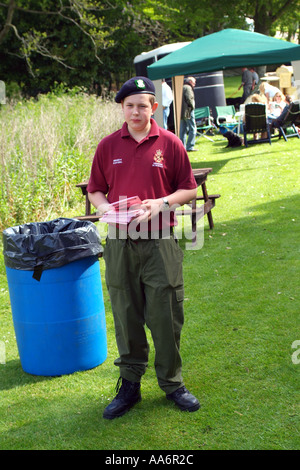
{"type": "Point", "coordinates": [137, 111]}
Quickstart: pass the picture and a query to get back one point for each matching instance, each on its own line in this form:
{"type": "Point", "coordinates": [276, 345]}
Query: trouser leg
{"type": "Point", "coordinates": [151, 292]}
{"type": "Point", "coordinates": [192, 130]}
{"type": "Point", "coordinates": [247, 92]}
{"type": "Point", "coordinates": [164, 291]}
{"type": "Point", "coordinates": [127, 302]}
{"type": "Point", "coordinates": [183, 131]}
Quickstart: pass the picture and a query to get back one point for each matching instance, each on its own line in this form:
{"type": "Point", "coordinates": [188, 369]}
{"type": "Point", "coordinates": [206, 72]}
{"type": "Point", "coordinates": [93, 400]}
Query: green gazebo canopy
{"type": "Point", "coordinates": [225, 49]}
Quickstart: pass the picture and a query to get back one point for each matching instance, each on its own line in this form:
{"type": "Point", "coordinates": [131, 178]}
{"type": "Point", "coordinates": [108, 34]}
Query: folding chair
{"type": "Point", "coordinates": [226, 118]}
{"type": "Point", "coordinates": [204, 122]}
{"type": "Point", "coordinates": [290, 121]}
{"type": "Point", "coordinates": [256, 122]}
{"type": "Point", "coordinates": [240, 117]}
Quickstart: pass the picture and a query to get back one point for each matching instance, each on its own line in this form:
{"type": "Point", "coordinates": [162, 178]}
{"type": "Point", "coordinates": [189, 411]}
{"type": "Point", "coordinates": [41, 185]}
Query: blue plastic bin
{"type": "Point", "coordinates": [59, 320]}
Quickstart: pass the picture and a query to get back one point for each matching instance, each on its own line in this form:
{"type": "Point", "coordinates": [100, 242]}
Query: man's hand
{"type": "Point", "coordinates": [151, 208]}
{"type": "Point", "coordinates": [102, 208]}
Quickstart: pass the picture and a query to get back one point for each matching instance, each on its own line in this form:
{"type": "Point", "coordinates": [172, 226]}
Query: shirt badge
{"type": "Point", "coordinates": [158, 157]}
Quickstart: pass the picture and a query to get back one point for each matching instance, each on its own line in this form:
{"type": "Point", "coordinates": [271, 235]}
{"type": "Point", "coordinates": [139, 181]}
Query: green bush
{"type": "Point", "coordinates": [46, 149]}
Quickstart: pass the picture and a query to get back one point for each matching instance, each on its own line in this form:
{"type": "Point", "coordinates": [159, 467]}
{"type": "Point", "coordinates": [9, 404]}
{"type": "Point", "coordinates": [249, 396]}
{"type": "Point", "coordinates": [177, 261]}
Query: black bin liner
{"type": "Point", "coordinates": [47, 245]}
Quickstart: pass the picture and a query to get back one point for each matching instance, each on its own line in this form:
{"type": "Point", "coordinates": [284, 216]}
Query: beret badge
{"type": "Point", "coordinates": [140, 84]}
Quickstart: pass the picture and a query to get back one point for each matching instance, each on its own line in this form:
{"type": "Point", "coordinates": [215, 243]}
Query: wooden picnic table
{"type": "Point", "coordinates": [197, 212]}
{"type": "Point", "coordinates": [194, 211]}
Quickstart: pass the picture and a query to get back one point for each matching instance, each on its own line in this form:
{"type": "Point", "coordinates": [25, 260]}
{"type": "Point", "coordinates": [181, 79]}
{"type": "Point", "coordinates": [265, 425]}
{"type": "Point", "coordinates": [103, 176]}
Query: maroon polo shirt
{"type": "Point", "coordinates": [153, 168]}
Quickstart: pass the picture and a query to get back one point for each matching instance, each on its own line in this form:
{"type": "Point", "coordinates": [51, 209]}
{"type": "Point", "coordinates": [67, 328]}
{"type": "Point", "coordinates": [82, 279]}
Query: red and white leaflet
{"type": "Point", "coordinates": [121, 213]}
{"type": "Point", "coordinates": [121, 217]}
{"type": "Point", "coordinates": [125, 203]}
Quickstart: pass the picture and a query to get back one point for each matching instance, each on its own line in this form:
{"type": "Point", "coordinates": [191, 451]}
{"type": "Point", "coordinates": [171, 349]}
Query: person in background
{"type": "Point", "coordinates": [257, 98]}
{"type": "Point", "coordinates": [167, 98]}
{"type": "Point", "coordinates": [188, 128]}
{"type": "Point", "coordinates": [277, 121]}
{"type": "Point", "coordinates": [255, 77]}
{"type": "Point", "coordinates": [144, 261]}
{"type": "Point", "coordinates": [268, 90]}
{"type": "Point", "coordinates": [247, 83]}
{"type": "Point", "coordinates": [277, 105]}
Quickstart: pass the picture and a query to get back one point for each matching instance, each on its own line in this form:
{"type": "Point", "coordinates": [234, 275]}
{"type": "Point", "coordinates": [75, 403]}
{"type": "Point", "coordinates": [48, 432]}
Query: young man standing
{"type": "Point", "coordinates": [144, 272]}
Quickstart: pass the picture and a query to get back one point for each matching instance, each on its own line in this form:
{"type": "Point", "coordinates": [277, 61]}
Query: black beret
{"type": "Point", "coordinates": [134, 86]}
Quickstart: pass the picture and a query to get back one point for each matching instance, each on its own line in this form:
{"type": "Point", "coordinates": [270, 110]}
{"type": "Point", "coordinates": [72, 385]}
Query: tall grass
{"type": "Point", "coordinates": [46, 146]}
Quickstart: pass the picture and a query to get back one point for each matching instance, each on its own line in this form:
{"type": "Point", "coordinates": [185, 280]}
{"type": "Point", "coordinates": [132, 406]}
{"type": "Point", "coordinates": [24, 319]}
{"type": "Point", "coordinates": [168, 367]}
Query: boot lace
{"type": "Point", "coordinates": [124, 387]}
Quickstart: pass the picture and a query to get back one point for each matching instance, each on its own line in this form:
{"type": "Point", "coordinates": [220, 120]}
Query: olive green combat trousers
{"type": "Point", "coordinates": [145, 284]}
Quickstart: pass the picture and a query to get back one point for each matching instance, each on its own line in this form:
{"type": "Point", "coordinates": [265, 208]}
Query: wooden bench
{"type": "Point", "coordinates": [194, 211]}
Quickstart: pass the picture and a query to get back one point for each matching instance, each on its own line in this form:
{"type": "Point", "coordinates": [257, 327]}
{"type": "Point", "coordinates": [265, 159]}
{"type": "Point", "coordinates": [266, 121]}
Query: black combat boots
{"type": "Point", "coordinates": [127, 396]}
{"type": "Point", "coordinates": [184, 399]}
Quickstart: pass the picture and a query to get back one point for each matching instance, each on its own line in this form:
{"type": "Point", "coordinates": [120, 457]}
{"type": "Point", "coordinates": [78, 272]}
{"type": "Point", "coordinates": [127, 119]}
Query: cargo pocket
{"type": "Point", "coordinates": [180, 295]}
{"type": "Point", "coordinates": [116, 267]}
{"type": "Point", "coordinates": [170, 259]}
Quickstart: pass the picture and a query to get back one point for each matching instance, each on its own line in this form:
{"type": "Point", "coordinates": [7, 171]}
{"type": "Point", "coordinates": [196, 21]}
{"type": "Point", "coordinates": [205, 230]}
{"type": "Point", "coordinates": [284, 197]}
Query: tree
{"type": "Point", "coordinates": [267, 15]}
{"type": "Point", "coordinates": [87, 42]}
{"type": "Point", "coordinates": [195, 19]}
{"type": "Point", "coordinates": [23, 15]}
{"type": "Point", "coordinates": [75, 41]}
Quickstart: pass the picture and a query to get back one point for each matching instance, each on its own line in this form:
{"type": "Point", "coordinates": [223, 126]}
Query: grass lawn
{"type": "Point", "coordinates": [241, 319]}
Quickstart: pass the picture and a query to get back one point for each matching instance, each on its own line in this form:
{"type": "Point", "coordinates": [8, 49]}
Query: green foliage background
{"type": "Point", "coordinates": [93, 44]}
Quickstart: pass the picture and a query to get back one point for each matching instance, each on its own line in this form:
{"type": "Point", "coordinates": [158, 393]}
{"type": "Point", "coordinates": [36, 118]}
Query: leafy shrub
{"type": "Point", "coordinates": [46, 148]}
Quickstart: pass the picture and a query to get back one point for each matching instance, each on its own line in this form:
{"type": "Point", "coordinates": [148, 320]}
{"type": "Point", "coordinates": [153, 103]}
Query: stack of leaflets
{"type": "Point", "coordinates": [123, 211]}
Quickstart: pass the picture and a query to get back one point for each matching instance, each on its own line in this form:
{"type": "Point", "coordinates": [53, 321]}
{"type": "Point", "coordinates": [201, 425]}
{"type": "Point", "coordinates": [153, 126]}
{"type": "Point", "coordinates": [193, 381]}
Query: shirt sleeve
{"type": "Point", "coordinates": [97, 181]}
{"type": "Point", "coordinates": [184, 178]}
